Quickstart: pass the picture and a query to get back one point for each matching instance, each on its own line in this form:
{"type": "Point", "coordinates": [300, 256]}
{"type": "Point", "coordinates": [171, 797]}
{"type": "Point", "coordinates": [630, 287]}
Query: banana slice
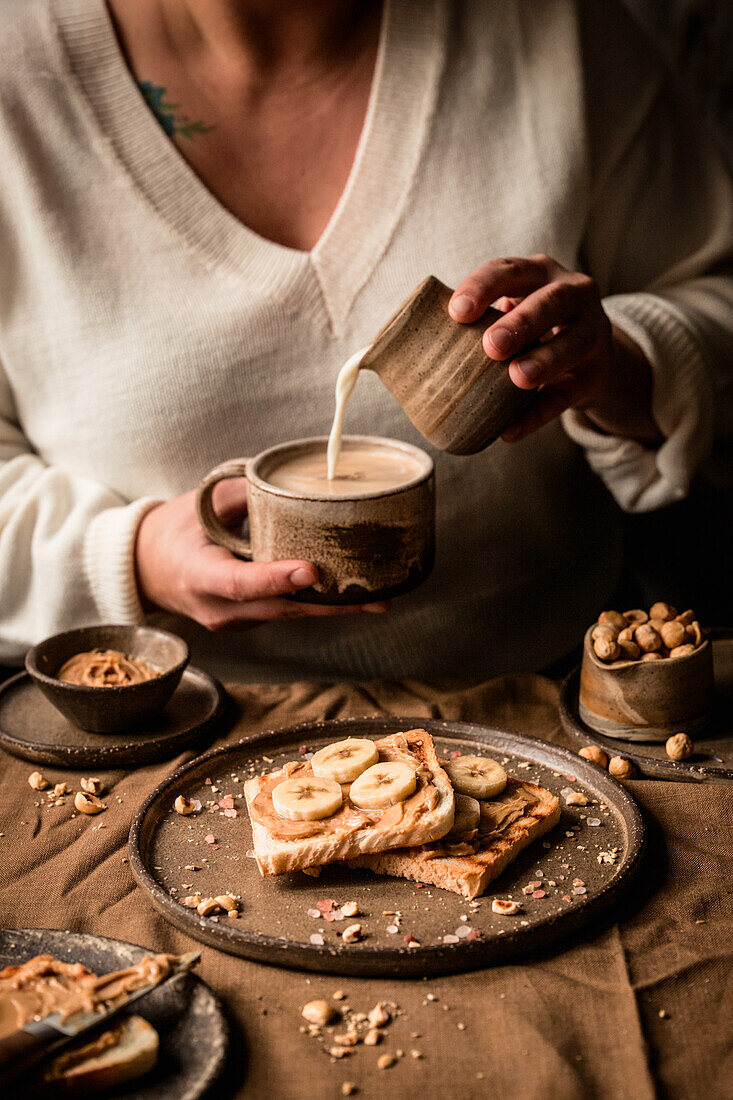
{"type": "Point", "coordinates": [307, 799]}
{"type": "Point", "coordinates": [382, 785]}
{"type": "Point", "coordinates": [345, 760]}
{"type": "Point", "coordinates": [468, 815]}
{"type": "Point", "coordinates": [476, 775]}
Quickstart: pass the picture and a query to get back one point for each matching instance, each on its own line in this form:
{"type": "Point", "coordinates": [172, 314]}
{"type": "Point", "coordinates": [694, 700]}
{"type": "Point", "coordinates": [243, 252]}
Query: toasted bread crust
{"type": "Point", "coordinates": [470, 875]}
{"type": "Point", "coordinates": [276, 856]}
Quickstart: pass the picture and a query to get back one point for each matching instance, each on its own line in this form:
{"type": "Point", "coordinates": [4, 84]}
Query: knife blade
{"type": "Point", "coordinates": [23, 1049]}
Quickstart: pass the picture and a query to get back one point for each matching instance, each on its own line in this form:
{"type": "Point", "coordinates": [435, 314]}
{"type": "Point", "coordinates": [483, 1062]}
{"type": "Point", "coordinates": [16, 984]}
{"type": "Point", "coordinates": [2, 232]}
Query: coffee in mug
{"type": "Point", "coordinates": [369, 529]}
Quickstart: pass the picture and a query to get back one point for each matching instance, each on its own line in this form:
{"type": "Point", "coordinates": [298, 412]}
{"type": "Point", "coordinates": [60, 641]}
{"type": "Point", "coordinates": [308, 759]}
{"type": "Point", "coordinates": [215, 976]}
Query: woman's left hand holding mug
{"type": "Point", "coordinates": [179, 570]}
{"type": "Point", "coordinates": [562, 344]}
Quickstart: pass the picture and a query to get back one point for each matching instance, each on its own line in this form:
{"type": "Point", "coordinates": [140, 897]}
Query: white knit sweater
{"type": "Point", "coordinates": [146, 334]}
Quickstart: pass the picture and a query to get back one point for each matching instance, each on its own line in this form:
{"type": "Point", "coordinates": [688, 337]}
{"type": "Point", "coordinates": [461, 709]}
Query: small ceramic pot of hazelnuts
{"type": "Point", "coordinates": [646, 674]}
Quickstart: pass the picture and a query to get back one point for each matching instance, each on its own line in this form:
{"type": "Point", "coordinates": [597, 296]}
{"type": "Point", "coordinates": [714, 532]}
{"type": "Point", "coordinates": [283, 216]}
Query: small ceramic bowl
{"type": "Point", "coordinates": [647, 700]}
{"type": "Point", "coordinates": [116, 708]}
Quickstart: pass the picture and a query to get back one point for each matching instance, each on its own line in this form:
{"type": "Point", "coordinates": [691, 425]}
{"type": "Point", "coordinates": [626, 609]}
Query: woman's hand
{"type": "Point", "coordinates": [179, 570]}
{"type": "Point", "coordinates": [564, 344]}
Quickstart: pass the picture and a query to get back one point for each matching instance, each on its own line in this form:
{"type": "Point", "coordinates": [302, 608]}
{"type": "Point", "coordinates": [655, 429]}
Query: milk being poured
{"type": "Point", "coordinates": [345, 383]}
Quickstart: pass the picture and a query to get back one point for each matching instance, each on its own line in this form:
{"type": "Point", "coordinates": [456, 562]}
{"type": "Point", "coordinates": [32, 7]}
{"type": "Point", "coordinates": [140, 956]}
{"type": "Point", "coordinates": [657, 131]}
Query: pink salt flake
{"type": "Point", "coordinates": [539, 893]}
{"type": "Point", "coordinates": [411, 941]}
{"type": "Point", "coordinates": [226, 803]}
{"type": "Point", "coordinates": [570, 778]}
{"type": "Point", "coordinates": [566, 897]}
{"type": "Point", "coordinates": [419, 885]}
{"type": "Point", "coordinates": [230, 812]}
{"type": "Point", "coordinates": [455, 754]}
{"type": "Point", "coordinates": [473, 934]}
{"type": "Point", "coordinates": [302, 750]}
{"type": "Point", "coordinates": [207, 782]}
{"type": "Point", "coordinates": [210, 838]}
{"type": "Point", "coordinates": [535, 884]}
{"type": "Point", "coordinates": [326, 905]}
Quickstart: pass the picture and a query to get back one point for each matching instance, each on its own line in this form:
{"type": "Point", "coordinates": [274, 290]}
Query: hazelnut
{"type": "Point", "coordinates": [679, 746]}
{"type": "Point", "coordinates": [598, 756]}
{"type": "Point", "coordinates": [636, 616]}
{"type": "Point", "coordinates": [88, 803]}
{"type": "Point", "coordinates": [627, 634]}
{"type": "Point", "coordinates": [91, 785]}
{"type": "Point", "coordinates": [663, 611]}
{"type": "Point", "coordinates": [686, 617]}
{"type": "Point", "coordinates": [385, 1061]}
{"type": "Point", "coordinates": [612, 617]}
{"type": "Point", "coordinates": [38, 781]}
{"type": "Point", "coordinates": [673, 633]}
{"type": "Point", "coordinates": [372, 1037]}
{"type": "Point", "coordinates": [629, 651]}
{"type": "Point", "coordinates": [606, 648]}
{"type": "Point", "coordinates": [183, 806]}
{"type": "Point", "coordinates": [605, 630]}
{"type": "Point", "coordinates": [695, 630]}
{"type": "Point", "coordinates": [647, 638]}
{"type": "Point", "coordinates": [349, 1088]}
{"type": "Point", "coordinates": [621, 768]}
{"type": "Point", "coordinates": [319, 1013]}
{"type": "Point", "coordinates": [682, 650]}
{"type": "Point", "coordinates": [651, 656]}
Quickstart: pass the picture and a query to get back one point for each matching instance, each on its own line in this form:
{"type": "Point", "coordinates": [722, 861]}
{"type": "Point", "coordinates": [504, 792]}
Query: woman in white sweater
{"type": "Point", "coordinates": [206, 205]}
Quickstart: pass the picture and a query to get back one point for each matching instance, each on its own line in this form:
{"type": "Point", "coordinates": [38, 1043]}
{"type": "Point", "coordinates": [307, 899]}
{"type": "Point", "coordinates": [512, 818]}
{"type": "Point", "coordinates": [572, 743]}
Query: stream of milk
{"type": "Point", "coordinates": [345, 383]}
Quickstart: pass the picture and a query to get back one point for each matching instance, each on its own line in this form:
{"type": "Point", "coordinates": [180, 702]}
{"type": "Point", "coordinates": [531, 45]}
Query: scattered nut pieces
{"type": "Point", "coordinates": [505, 908]}
{"type": "Point", "coordinates": [350, 909]}
{"type": "Point", "coordinates": [621, 768]}
{"type": "Point", "coordinates": [596, 755]}
{"type": "Point", "coordinates": [88, 803]}
{"type": "Point", "coordinates": [352, 934]}
{"type": "Point", "coordinates": [339, 995]}
{"type": "Point", "coordinates": [372, 1037]}
{"type": "Point", "coordinates": [319, 1013]}
{"type": "Point", "coordinates": [379, 1015]}
{"type": "Point", "coordinates": [192, 901]}
{"type": "Point", "coordinates": [60, 790]}
{"type": "Point", "coordinates": [574, 798]}
{"type": "Point", "coordinates": [92, 785]}
{"type": "Point", "coordinates": [385, 1061]}
{"type": "Point", "coordinates": [38, 781]}
{"type": "Point", "coordinates": [349, 1088]}
{"type": "Point", "coordinates": [679, 746]}
{"type": "Point", "coordinates": [183, 806]}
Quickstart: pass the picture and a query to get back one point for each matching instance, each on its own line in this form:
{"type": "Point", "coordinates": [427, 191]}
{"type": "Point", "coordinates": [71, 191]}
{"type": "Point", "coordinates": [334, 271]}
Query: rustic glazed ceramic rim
{"type": "Point", "coordinates": [372, 440]}
{"type": "Point", "coordinates": [362, 959]}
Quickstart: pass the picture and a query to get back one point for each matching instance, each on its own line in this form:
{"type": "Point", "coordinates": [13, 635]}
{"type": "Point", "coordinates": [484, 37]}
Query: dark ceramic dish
{"type": "Point", "coordinates": [109, 709]}
{"type": "Point", "coordinates": [277, 923]}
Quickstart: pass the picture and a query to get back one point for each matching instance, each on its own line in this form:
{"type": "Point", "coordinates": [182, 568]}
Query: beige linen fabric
{"type": "Point", "coordinates": [578, 1022]}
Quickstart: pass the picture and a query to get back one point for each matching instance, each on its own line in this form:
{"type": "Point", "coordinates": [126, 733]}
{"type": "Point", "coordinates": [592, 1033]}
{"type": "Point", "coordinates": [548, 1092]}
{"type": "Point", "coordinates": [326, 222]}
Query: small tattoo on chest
{"type": "Point", "coordinates": [169, 114]}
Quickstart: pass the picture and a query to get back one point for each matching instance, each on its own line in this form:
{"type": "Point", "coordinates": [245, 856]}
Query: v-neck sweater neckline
{"type": "Point", "coordinates": [325, 281]}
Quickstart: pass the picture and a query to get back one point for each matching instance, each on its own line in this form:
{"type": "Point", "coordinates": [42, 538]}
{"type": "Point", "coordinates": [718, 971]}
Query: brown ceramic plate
{"type": "Point", "coordinates": [171, 858]}
{"type": "Point", "coordinates": [713, 756]}
{"type": "Point", "coordinates": [185, 1013]}
{"type": "Point", "coordinates": [31, 727]}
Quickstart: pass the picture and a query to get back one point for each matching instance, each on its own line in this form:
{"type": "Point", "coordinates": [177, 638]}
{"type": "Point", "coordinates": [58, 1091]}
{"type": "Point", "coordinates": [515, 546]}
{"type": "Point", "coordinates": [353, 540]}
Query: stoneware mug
{"type": "Point", "coordinates": [367, 546]}
{"type": "Point", "coordinates": [458, 398]}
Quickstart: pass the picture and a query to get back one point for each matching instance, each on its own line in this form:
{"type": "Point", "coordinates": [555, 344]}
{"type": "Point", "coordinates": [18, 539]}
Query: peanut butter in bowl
{"type": "Point", "coordinates": [105, 668]}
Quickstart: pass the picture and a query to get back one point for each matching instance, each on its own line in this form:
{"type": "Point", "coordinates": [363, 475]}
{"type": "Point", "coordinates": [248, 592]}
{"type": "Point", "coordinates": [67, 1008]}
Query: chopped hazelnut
{"type": "Point", "coordinates": [505, 908]}
{"type": "Point", "coordinates": [385, 1061]}
{"type": "Point", "coordinates": [352, 934]}
{"type": "Point", "coordinates": [88, 803]}
{"type": "Point", "coordinates": [349, 1088]}
{"type": "Point", "coordinates": [350, 909]}
{"type": "Point", "coordinates": [183, 806]}
{"type": "Point", "coordinates": [319, 1013]}
{"type": "Point", "coordinates": [92, 785]}
{"type": "Point", "coordinates": [372, 1037]}
{"type": "Point", "coordinates": [379, 1015]}
{"type": "Point", "coordinates": [38, 781]}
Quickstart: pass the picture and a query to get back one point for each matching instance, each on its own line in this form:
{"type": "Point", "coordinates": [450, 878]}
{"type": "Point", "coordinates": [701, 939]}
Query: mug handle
{"type": "Point", "coordinates": [212, 525]}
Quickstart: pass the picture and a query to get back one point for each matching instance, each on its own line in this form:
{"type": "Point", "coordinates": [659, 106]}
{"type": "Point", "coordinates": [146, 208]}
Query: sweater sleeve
{"type": "Point", "coordinates": [66, 545]}
{"type": "Point", "coordinates": [659, 242]}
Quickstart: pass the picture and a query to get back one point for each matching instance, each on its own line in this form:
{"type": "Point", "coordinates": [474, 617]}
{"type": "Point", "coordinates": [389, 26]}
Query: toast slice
{"type": "Point", "coordinates": [282, 845]}
{"type": "Point", "coordinates": [118, 1054]}
{"type": "Point", "coordinates": [522, 813]}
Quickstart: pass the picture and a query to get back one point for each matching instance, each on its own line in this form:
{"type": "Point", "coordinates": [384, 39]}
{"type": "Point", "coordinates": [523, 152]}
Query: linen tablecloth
{"type": "Point", "coordinates": [640, 1006]}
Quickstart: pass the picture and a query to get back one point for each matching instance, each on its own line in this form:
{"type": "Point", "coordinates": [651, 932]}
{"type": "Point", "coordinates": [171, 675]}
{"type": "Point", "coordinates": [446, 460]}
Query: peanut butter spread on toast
{"type": "Point", "coordinates": [349, 817]}
{"type": "Point", "coordinates": [498, 814]}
